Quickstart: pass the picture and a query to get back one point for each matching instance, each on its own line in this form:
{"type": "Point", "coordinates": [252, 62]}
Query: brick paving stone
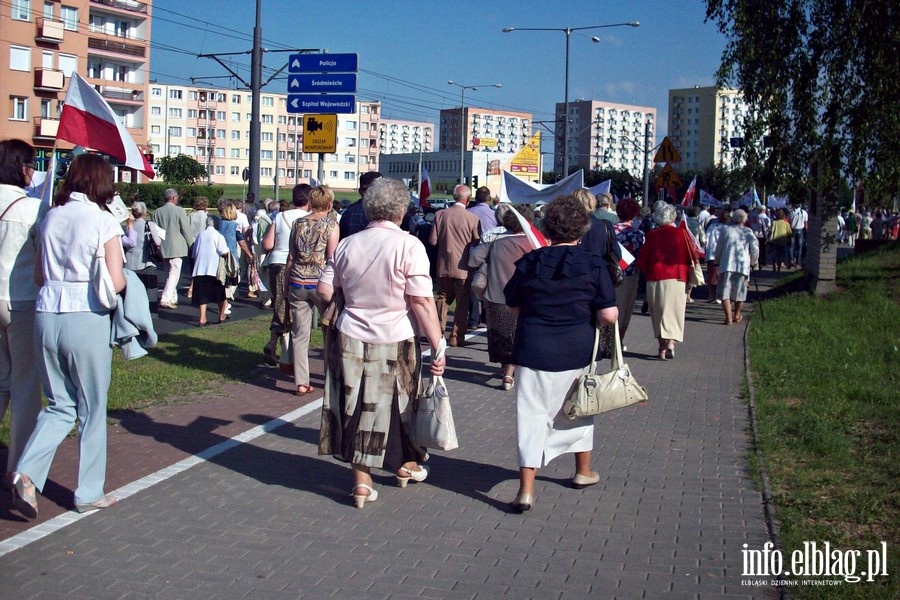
{"type": "Point", "coordinates": [271, 518]}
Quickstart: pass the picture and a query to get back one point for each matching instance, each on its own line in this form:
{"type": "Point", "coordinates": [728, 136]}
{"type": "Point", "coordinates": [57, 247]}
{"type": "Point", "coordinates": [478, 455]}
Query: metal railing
{"type": "Point", "coordinates": [129, 5]}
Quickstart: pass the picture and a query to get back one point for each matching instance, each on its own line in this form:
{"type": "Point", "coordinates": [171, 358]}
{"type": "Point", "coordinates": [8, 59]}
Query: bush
{"type": "Point", "coordinates": [153, 194]}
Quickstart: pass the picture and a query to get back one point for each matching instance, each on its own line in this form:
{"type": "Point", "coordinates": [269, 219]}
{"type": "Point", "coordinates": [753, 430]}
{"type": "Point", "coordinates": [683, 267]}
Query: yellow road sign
{"type": "Point", "coordinates": [668, 178]}
{"type": "Point", "coordinates": [667, 152]}
{"type": "Point", "coordinates": [320, 133]}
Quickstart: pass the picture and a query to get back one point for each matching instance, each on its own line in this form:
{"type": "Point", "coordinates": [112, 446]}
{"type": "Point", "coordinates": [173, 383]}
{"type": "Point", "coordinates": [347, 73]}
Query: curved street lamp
{"type": "Point", "coordinates": [568, 31]}
{"type": "Point", "coordinates": [463, 121]}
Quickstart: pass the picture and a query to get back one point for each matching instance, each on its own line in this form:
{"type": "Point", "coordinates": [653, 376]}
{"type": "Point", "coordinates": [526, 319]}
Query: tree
{"type": "Point", "coordinates": [180, 169]}
{"type": "Point", "coordinates": [820, 79]}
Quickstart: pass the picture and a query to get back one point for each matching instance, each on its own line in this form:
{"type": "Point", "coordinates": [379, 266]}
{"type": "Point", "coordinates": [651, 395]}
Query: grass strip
{"type": "Point", "coordinates": [186, 364]}
{"type": "Point", "coordinates": [826, 380]}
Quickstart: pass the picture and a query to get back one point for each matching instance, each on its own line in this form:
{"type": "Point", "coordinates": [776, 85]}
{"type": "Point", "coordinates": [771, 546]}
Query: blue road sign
{"type": "Point", "coordinates": [323, 63]}
{"type": "Point", "coordinates": [342, 104]}
{"type": "Point", "coordinates": [329, 83]}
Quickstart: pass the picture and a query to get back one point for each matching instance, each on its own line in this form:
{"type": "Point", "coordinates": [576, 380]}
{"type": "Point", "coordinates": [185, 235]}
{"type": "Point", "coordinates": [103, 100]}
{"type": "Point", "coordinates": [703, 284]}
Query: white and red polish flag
{"type": "Point", "coordinates": [690, 193]}
{"type": "Point", "coordinates": [87, 120]}
{"type": "Point", "coordinates": [424, 188]}
{"type": "Point", "coordinates": [534, 235]}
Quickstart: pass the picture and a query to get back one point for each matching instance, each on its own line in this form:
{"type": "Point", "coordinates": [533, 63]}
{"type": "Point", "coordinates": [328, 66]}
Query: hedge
{"type": "Point", "coordinates": [153, 194]}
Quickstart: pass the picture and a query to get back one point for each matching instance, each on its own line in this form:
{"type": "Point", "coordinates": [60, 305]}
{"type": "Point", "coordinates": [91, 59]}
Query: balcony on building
{"type": "Point", "coordinates": [117, 47]}
{"type": "Point", "coordinates": [49, 31]}
{"type": "Point", "coordinates": [119, 95]}
{"type": "Point", "coordinates": [131, 6]}
{"type": "Point", "coordinates": [45, 128]}
{"type": "Point", "coordinates": [49, 80]}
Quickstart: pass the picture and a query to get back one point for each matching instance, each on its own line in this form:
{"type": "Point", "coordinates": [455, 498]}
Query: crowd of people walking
{"type": "Point", "coordinates": [372, 284]}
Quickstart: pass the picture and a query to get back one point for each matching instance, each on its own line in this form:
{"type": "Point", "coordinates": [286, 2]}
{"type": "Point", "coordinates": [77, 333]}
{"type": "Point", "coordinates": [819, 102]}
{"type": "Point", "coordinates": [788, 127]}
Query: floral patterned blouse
{"type": "Point", "coordinates": [308, 240]}
{"type": "Point", "coordinates": [632, 239]}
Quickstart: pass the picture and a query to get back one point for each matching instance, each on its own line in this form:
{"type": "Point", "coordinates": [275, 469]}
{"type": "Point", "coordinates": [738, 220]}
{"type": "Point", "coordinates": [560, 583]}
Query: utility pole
{"type": "Point", "coordinates": [256, 84]}
{"type": "Point", "coordinates": [646, 160]}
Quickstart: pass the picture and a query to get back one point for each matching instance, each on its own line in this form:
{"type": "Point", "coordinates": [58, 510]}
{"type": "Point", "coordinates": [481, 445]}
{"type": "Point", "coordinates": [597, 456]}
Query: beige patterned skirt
{"type": "Point", "coordinates": [370, 391]}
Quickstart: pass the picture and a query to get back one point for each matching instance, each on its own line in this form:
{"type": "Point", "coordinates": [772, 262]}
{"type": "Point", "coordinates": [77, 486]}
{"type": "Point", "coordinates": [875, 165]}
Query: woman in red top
{"type": "Point", "coordinates": [665, 259]}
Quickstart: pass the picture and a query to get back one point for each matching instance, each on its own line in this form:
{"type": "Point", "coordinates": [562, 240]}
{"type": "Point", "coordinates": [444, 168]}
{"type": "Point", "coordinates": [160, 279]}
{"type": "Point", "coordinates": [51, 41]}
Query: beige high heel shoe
{"type": "Point", "coordinates": [361, 499]}
{"type": "Point", "coordinates": [418, 475]}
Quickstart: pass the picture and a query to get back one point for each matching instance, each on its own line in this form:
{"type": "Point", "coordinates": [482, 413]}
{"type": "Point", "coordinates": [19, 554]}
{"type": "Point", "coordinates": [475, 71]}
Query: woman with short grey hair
{"type": "Point", "coordinates": [665, 259]}
{"type": "Point", "coordinates": [137, 255]}
{"type": "Point", "coordinates": [736, 253]}
{"type": "Point", "coordinates": [385, 202]}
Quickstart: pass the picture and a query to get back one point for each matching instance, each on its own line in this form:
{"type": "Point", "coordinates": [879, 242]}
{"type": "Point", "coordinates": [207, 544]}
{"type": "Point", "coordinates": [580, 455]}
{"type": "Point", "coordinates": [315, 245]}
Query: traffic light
{"type": "Point", "coordinates": [475, 181]}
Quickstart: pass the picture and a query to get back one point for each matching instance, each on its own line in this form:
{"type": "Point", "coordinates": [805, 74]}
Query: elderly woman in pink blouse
{"type": "Point", "coordinates": [373, 359]}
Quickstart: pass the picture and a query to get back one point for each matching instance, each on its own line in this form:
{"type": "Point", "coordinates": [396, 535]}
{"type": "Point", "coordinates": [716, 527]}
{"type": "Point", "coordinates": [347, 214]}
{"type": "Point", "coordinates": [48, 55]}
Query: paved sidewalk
{"type": "Point", "coordinates": [271, 519]}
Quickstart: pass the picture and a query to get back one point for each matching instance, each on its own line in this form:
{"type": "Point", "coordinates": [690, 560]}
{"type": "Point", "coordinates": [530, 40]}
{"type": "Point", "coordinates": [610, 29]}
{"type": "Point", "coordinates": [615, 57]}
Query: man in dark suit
{"type": "Point", "coordinates": [354, 219]}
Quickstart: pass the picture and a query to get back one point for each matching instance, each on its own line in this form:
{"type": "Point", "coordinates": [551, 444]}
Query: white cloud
{"type": "Point", "coordinates": [621, 90]}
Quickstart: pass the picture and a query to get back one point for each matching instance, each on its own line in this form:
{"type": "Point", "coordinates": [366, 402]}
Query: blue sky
{"type": "Point", "coordinates": [408, 50]}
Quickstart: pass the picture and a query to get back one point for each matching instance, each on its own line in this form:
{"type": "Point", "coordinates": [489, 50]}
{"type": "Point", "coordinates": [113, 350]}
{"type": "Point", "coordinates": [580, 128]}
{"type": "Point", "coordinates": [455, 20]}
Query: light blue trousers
{"type": "Point", "coordinates": [75, 361]}
{"type": "Point", "coordinates": [20, 386]}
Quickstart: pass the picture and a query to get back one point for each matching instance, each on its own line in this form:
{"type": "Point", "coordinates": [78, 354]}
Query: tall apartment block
{"type": "Point", "coordinates": [604, 135]}
{"type": "Point", "coordinates": [484, 130]}
{"type": "Point", "coordinates": [43, 42]}
{"type": "Point", "coordinates": [213, 127]}
{"type": "Point", "coordinates": [404, 137]}
{"type": "Point", "coordinates": [702, 123]}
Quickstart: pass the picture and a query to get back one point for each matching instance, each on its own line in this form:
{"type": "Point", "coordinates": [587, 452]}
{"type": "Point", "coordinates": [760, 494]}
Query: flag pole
{"type": "Point", "coordinates": [419, 195]}
{"type": "Point", "coordinates": [50, 179]}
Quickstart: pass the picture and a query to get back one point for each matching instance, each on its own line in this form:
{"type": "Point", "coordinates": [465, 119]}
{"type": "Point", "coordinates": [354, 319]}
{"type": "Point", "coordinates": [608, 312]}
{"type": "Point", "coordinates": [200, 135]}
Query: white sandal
{"type": "Point", "coordinates": [361, 499]}
{"type": "Point", "coordinates": [418, 475]}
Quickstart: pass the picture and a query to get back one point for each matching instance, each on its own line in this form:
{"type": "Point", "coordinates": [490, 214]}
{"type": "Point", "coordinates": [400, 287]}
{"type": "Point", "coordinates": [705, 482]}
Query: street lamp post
{"type": "Point", "coordinates": [568, 31]}
{"type": "Point", "coordinates": [463, 122]}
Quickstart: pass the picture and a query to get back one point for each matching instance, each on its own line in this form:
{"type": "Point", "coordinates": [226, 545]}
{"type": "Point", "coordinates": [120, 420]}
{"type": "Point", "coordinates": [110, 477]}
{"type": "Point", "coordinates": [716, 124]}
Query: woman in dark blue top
{"type": "Point", "coordinates": [560, 293]}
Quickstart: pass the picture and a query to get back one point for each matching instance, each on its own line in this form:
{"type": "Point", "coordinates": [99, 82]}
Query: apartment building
{"type": "Point", "coordinates": [213, 127]}
{"type": "Point", "coordinates": [45, 41]}
{"type": "Point", "coordinates": [604, 135]}
{"type": "Point", "coordinates": [484, 130]}
{"type": "Point", "coordinates": [402, 137]}
{"type": "Point", "coordinates": [703, 121]}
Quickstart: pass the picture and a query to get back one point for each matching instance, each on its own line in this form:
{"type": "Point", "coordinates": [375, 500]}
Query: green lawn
{"type": "Point", "coordinates": [825, 372]}
{"type": "Point", "coordinates": [186, 364]}
{"type": "Point", "coordinates": [239, 191]}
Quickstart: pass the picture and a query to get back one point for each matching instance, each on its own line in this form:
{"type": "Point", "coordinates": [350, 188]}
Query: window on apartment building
{"type": "Point", "coordinates": [333, 174]}
{"type": "Point", "coordinates": [220, 114]}
{"type": "Point", "coordinates": [282, 119]}
{"type": "Point", "coordinates": [220, 134]}
{"type": "Point", "coordinates": [155, 129]}
{"type": "Point", "coordinates": [351, 142]}
{"type": "Point", "coordinates": [307, 156]}
{"type": "Point", "coordinates": [266, 136]}
{"type": "Point", "coordinates": [192, 95]}
{"type": "Point", "coordinates": [155, 110]}
{"type": "Point", "coordinates": [190, 150]}
{"type": "Point", "coordinates": [18, 108]}
{"type": "Point", "coordinates": [282, 137]}
{"type": "Point", "coordinates": [249, 117]}
{"type": "Point", "coordinates": [175, 113]}
{"type": "Point", "coordinates": [192, 113]}
{"type": "Point", "coordinates": [46, 108]}
{"type": "Point", "coordinates": [220, 152]}
{"type": "Point", "coordinates": [281, 173]}
{"type": "Point", "coordinates": [265, 154]}
{"type": "Point", "coordinates": [220, 97]}
{"type": "Point", "coordinates": [282, 155]}
{"type": "Point", "coordinates": [47, 59]}
{"type": "Point", "coordinates": [190, 132]}
{"type": "Point", "coordinates": [21, 10]}
{"type": "Point", "coordinates": [268, 101]}
{"type": "Point", "coordinates": [174, 150]}
{"type": "Point", "coordinates": [235, 117]}
{"type": "Point", "coordinates": [349, 158]}
{"type": "Point", "coordinates": [235, 134]}
{"type": "Point", "coordinates": [290, 173]}
{"type": "Point", "coordinates": [307, 173]}
{"type": "Point", "coordinates": [235, 170]}
{"type": "Point", "coordinates": [175, 131]}
{"type": "Point", "coordinates": [349, 176]}
{"type": "Point", "coordinates": [19, 58]}
{"type": "Point", "coordinates": [156, 92]}
{"type": "Point", "coordinates": [235, 98]}
{"type": "Point", "coordinates": [48, 10]}
{"type": "Point", "coordinates": [265, 172]}
{"type": "Point", "coordinates": [69, 17]}
{"type": "Point", "coordinates": [350, 125]}
{"type": "Point", "coordinates": [67, 63]}
{"type": "Point", "coordinates": [175, 94]}
{"type": "Point", "coordinates": [267, 119]}
{"type": "Point", "coordinates": [220, 170]}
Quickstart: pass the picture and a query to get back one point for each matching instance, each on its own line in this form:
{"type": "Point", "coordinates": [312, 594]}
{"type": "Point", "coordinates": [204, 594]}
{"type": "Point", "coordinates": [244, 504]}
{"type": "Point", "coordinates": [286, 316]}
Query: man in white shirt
{"type": "Point", "coordinates": [799, 220]}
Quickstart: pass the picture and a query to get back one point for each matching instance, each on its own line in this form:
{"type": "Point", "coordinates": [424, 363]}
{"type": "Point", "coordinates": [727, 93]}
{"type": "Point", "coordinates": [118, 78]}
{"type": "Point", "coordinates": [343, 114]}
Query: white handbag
{"type": "Point", "coordinates": [593, 393]}
{"type": "Point", "coordinates": [101, 282]}
{"type": "Point", "coordinates": [433, 425]}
